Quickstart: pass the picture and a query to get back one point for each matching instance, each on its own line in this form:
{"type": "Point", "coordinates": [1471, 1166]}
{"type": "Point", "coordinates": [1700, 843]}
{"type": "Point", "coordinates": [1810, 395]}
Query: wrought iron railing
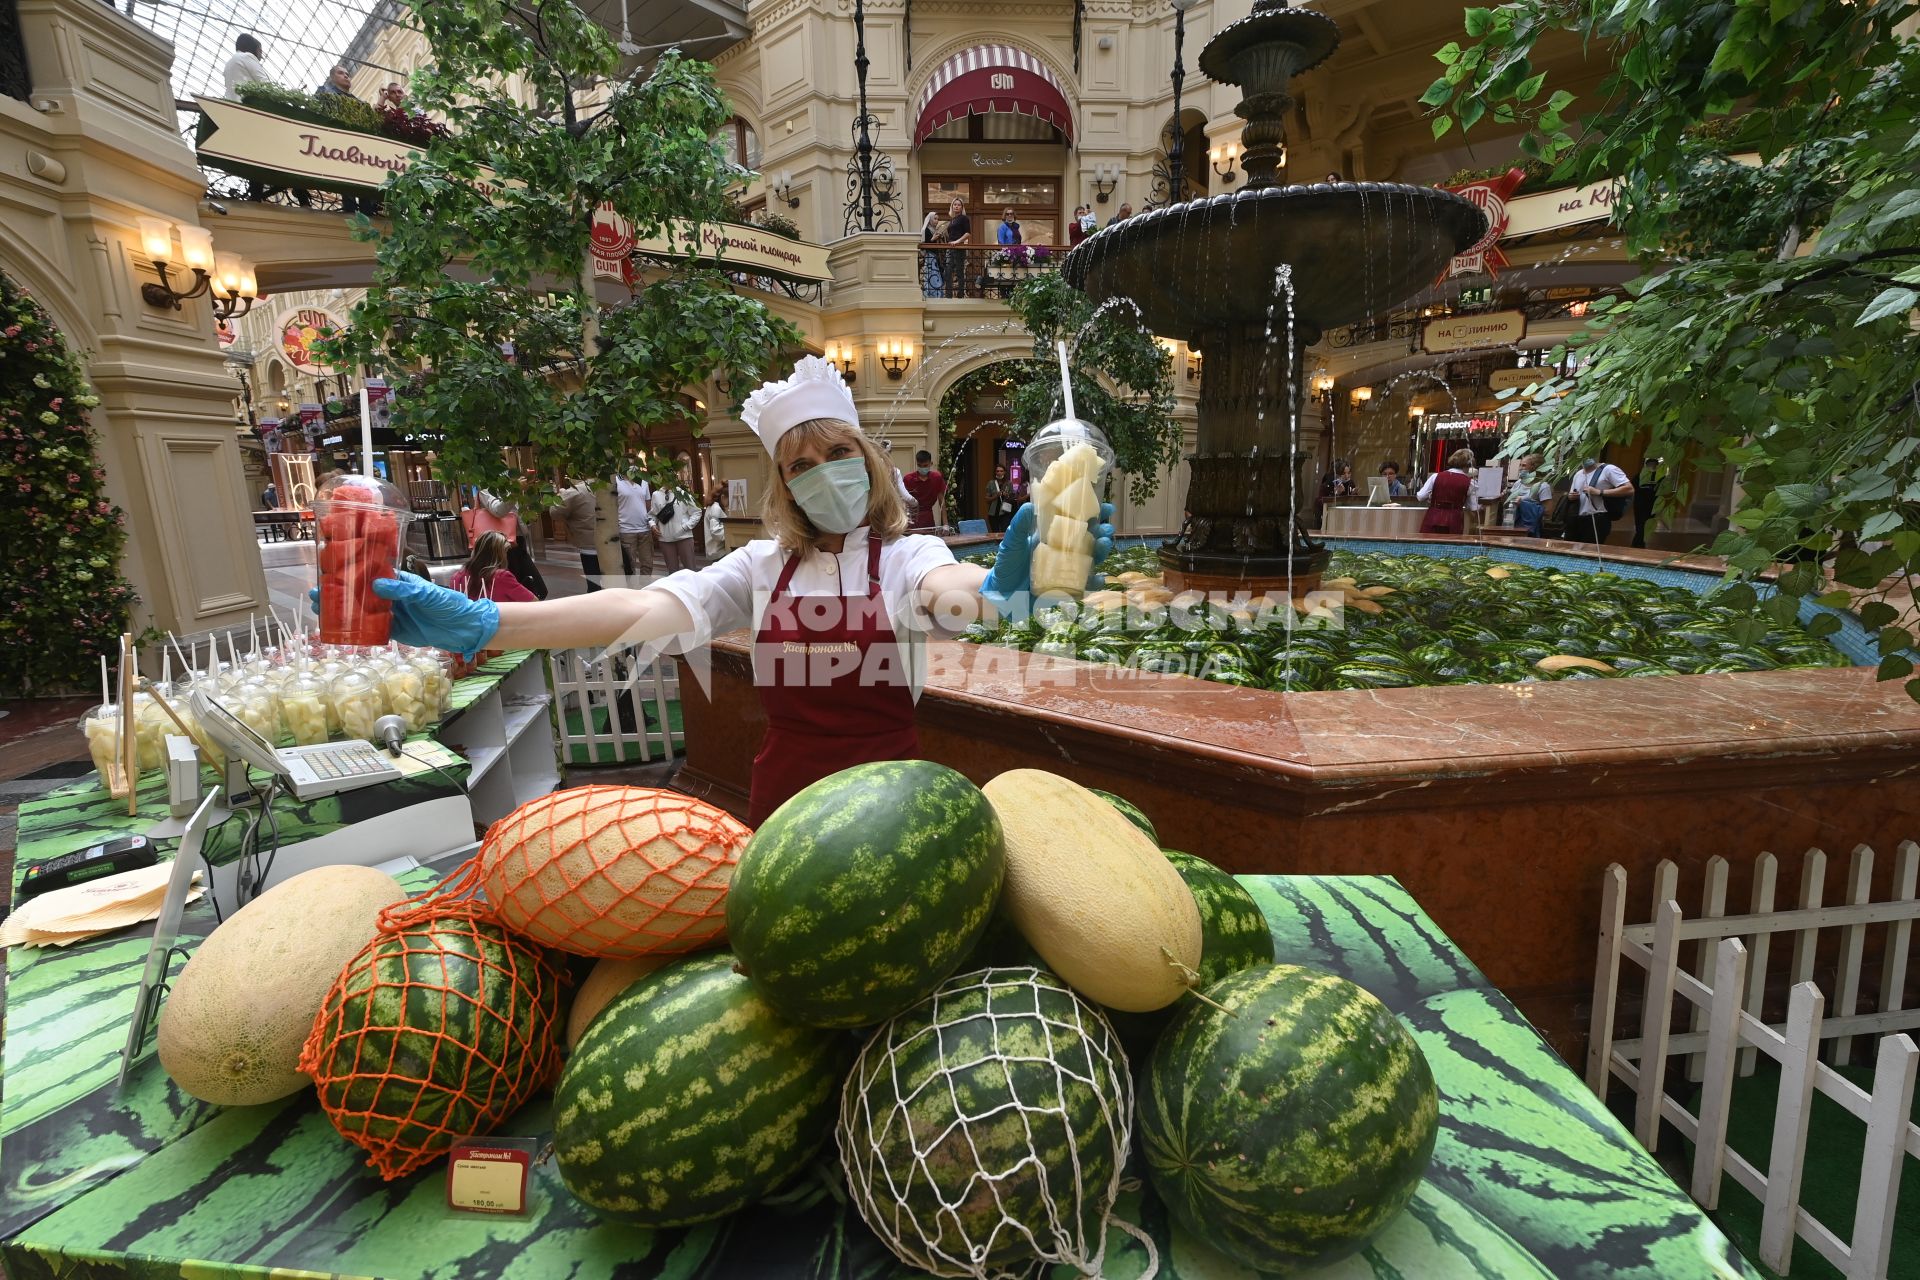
{"type": "Point", "coordinates": [983, 271]}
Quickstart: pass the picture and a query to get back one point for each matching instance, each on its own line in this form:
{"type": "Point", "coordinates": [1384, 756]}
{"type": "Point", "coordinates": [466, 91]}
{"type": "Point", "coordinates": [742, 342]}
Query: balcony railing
{"type": "Point", "coordinates": [984, 270]}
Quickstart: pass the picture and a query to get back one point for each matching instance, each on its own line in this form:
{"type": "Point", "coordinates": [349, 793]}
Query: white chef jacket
{"type": "Point", "coordinates": [733, 592]}
{"type": "Point", "coordinates": [1604, 476]}
{"type": "Point", "coordinates": [635, 502]}
{"type": "Point", "coordinates": [1426, 490]}
{"type": "Point", "coordinates": [243, 68]}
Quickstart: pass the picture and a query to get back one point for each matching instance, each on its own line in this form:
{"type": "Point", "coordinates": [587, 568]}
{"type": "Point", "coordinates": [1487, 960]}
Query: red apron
{"type": "Point", "coordinates": [1447, 504]}
{"type": "Point", "coordinates": [833, 681]}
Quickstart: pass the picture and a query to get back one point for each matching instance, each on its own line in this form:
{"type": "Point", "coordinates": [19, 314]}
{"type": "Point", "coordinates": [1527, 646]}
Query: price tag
{"type": "Point", "coordinates": [488, 1176]}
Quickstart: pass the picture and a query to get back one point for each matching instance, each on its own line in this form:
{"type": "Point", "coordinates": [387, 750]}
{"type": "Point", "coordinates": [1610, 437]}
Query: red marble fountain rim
{"type": "Point", "coordinates": [1443, 732]}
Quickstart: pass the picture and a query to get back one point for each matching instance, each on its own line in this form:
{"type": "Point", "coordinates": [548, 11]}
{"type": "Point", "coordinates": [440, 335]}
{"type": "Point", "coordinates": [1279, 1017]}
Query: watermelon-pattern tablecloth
{"type": "Point", "coordinates": [1532, 1177]}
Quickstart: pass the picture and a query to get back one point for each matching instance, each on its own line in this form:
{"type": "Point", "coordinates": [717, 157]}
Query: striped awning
{"type": "Point", "coordinates": [991, 78]}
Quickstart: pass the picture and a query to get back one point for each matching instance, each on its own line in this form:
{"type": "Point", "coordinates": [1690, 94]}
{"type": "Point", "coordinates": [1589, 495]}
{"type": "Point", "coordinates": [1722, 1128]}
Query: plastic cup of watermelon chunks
{"type": "Point", "coordinates": [360, 527]}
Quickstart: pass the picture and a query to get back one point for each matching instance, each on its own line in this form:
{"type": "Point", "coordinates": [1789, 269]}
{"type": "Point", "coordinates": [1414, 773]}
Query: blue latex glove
{"type": "Point", "coordinates": [425, 615]}
{"type": "Point", "coordinates": [1011, 577]}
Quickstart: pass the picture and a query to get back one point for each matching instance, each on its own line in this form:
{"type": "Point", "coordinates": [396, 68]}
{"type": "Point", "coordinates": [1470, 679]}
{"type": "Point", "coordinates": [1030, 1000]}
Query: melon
{"type": "Point", "coordinates": [601, 987]}
{"type": "Point", "coordinates": [613, 871]}
{"type": "Point", "coordinates": [235, 1018]}
{"type": "Point", "coordinates": [1093, 894]}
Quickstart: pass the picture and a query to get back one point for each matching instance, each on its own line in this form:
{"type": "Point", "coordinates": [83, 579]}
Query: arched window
{"type": "Point", "coordinates": [741, 143]}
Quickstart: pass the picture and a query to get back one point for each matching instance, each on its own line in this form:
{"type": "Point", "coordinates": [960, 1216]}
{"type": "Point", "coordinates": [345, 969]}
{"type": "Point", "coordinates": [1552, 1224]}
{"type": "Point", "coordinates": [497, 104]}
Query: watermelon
{"type": "Point", "coordinates": [1287, 1127]}
{"type": "Point", "coordinates": [1234, 936]}
{"type": "Point", "coordinates": [438, 1029]}
{"type": "Point", "coordinates": [985, 1129]}
{"type": "Point", "coordinates": [858, 895]}
{"type": "Point", "coordinates": [688, 1098]}
{"type": "Point", "coordinates": [1129, 811]}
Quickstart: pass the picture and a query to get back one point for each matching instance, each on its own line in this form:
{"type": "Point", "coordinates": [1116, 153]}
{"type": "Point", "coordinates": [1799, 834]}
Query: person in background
{"type": "Point", "coordinates": [1449, 495]}
{"type": "Point", "coordinates": [932, 279]}
{"type": "Point", "coordinates": [1593, 484]}
{"type": "Point", "coordinates": [1077, 229]}
{"type": "Point", "coordinates": [713, 528]}
{"type": "Point", "coordinates": [1000, 501]}
{"type": "Point", "coordinates": [269, 498]}
{"type": "Point", "coordinates": [339, 83]}
{"type": "Point", "coordinates": [485, 575]}
{"type": "Point", "coordinates": [1009, 228]}
{"type": "Point", "coordinates": [244, 67]}
{"type": "Point", "coordinates": [490, 512]}
{"type": "Point", "coordinates": [577, 508]}
{"type": "Point", "coordinates": [674, 515]}
{"type": "Point", "coordinates": [1531, 495]}
{"type": "Point", "coordinates": [1646, 493]}
{"type": "Point", "coordinates": [393, 97]}
{"type": "Point", "coordinates": [1391, 470]}
{"type": "Point", "coordinates": [635, 500]}
{"type": "Point", "coordinates": [926, 487]}
{"type": "Point", "coordinates": [959, 232]}
{"type": "Point", "coordinates": [1126, 211]}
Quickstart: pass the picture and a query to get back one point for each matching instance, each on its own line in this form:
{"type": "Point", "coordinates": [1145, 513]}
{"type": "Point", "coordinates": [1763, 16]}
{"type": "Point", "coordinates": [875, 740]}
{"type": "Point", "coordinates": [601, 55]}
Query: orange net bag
{"type": "Point", "coordinates": [439, 1029]}
{"type": "Point", "coordinates": [609, 871]}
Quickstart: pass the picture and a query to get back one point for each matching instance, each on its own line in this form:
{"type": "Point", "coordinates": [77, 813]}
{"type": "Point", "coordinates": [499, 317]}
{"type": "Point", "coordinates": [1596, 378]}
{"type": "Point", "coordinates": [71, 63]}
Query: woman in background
{"type": "Point", "coordinates": [1449, 496]}
{"type": "Point", "coordinates": [485, 575]}
{"type": "Point", "coordinates": [713, 517]}
{"type": "Point", "coordinates": [674, 515]}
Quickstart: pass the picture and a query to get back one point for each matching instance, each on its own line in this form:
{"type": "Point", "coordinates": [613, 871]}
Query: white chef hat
{"type": "Point", "coordinates": [815, 390]}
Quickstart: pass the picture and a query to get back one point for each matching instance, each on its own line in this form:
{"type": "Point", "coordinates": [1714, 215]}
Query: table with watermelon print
{"type": "Point", "coordinates": [1532, 1177]}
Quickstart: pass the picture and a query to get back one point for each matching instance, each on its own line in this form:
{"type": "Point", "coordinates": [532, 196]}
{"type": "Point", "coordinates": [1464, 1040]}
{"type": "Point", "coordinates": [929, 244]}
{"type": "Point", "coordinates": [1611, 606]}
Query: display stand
{"type": "Point", "coordinates": [507, 736]}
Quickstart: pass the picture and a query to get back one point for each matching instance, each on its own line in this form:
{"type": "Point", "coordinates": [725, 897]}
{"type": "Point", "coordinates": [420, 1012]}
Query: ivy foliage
{"type": "Point", "coordinates": [1775, 330]}
{"type": "Point", "coordinates": [1122, 379]}
{"type": "Point", "coordinates": [479, 303]}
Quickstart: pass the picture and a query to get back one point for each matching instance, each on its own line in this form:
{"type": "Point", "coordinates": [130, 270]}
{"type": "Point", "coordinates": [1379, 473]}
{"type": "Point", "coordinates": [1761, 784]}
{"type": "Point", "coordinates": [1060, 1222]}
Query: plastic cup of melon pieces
{"type": "Point", "coordinates": [102, 727]}
{"type": "Point", "coordinates": [303, 708]}
{"type": "Point", "coordinates": [1050, 444]}
{"type": "Point", "coordinates": [360, 532]}
{"type": "Point", "coordinates": [358, 701]}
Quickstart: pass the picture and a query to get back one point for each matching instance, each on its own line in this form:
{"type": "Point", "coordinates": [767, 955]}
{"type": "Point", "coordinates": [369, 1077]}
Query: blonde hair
{"type": "Point", "coordinates": [1460, 458]}
{"type": "Point", "coordinates": [789, 526]}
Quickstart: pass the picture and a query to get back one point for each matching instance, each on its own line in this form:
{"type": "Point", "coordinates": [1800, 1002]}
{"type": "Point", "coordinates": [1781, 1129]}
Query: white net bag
{"type": "Point", "coordinates": [984, 1130]}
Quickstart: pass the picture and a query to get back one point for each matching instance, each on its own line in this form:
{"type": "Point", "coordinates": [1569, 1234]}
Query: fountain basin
{"type": "Point", "coordinates": [1498, 806]}
{"type": "Point", "coordinates": [1357, 249]}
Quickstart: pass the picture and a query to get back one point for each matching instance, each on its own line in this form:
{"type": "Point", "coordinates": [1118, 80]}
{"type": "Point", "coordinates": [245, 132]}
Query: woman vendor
{"type": "Point", "coordinates": [838, 594]}
{"type": "Point", "coordinates": [1449, 495]}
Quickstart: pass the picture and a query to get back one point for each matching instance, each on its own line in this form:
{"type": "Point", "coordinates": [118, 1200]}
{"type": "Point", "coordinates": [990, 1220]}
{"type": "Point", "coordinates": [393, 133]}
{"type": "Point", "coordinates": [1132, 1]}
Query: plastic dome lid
{"type": "Point", "coordinates": [1057, 437]}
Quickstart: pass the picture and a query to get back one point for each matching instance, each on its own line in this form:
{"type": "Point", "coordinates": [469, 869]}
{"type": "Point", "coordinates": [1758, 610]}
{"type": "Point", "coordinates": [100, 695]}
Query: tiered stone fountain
{"type": "Point", "coordinates": [1208, 271]}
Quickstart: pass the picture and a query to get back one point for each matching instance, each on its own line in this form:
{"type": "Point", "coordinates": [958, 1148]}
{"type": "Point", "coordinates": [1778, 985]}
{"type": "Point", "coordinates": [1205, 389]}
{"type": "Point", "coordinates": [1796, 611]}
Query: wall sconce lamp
{"type": "Point", "coordinates": [1193, 365]}
{"type": "Point", "coordinates": [284, 405]}
{"type": "Point", "coordinates": [1416, 412]}
{"type": "Point", "coordinates": [783, 190]}
{"type": "Point", "coordinates": [234, 288]}
{"type": "Point", "coordinates": [1105, 178]}
{"type": "Point", "coordinates": [1226, 161]}
{"type": "Point", "coordinates": [1323, 384]}
{"type": "Point", "coordinates": [895, 355]}
{"type": "Point", "coordinates": [1578, 310]}
{"type": "Point", "coordinates": [1362, 394]}
{"type": "Point", "coordinates": [196, 255]}
{"type": "Point", "coordinates": [844, 359]}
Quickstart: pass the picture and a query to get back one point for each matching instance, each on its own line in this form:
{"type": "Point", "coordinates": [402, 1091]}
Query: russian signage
{"type": "Point", "coordinates": [1490, 195]}
{"type": "Point", "coordinates": [730, 245]}
{"type": "Point", "coordinates": [327, 155]}
{"type": "Point", "coordinates": [1472, 332]}
{"type": "Point", "coordinates": [1517, 379]}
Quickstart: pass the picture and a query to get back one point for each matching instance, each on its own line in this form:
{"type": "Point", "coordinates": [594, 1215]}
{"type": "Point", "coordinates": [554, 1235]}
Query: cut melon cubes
{"type": "Point", "coordinates": [1065, 502]}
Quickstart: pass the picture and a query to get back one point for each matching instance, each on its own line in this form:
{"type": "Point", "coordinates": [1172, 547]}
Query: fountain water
{"type": "Point", "coordinates": [1204, 270]}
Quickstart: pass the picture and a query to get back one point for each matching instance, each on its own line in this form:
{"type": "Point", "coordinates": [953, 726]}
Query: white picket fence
{"type": "Point", "coordinates": [586, 681]}
{"type": "Point", "coordinates": [1721, 989]}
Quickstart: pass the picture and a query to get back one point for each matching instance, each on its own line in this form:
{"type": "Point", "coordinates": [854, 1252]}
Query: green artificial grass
{"type": "Point", "coordinates": [605, 752]}
{"type": "Point", "coordinates": [1831, 1184]}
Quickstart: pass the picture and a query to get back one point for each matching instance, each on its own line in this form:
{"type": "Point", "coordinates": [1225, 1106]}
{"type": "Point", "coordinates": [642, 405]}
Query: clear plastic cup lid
{"type": "Point", "coordinates": [1052, 441]}
{"type": "Point", "coordinates": [363, 491]}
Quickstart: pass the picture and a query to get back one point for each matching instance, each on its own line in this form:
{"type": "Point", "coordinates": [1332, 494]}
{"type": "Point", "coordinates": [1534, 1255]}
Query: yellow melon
{"type": "Point", "coordinates": [601, 987]}
{"type": "Point", "coordinates": [1562, 661]}
{"type": "Point", "coordinates": [1093, 894]}
{"type": "Point", "coordinates": [614, 871]}
{"type": "Point", "coordinates": [234, 1020]}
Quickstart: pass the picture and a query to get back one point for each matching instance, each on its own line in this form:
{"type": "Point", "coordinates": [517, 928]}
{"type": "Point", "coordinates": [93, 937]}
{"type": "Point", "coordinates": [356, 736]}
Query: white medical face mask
{"type": "Point", "coordinates": [833, 494]}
